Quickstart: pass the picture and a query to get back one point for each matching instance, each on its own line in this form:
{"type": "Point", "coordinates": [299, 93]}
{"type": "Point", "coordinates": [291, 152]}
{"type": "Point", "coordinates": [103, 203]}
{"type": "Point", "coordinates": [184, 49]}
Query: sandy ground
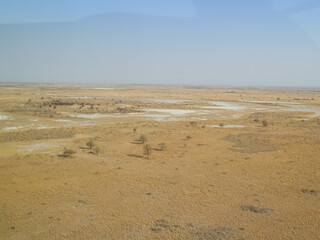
{"type": "Point", "coordinates": [220, 173]}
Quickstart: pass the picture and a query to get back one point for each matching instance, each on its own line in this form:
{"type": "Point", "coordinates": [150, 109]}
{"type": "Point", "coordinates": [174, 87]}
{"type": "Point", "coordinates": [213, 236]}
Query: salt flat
{"type": "Point", "coordinates": [236, 163]}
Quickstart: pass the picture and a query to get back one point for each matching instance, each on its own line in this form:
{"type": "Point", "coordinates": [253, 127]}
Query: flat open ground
{"type": "Point", "coordinates": [215, 171]}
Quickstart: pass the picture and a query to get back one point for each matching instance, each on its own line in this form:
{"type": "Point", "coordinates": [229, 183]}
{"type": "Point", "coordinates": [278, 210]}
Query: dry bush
{"type": "Point", "coordinates": [221, 125]}
{"type": "Point", "coordinates": [143, 139]}
{"type": "Point", "coordinates": [147, 150]}
{"type": "Point", "coordinates": [90, 144]}
{"type": "Point", "coordinates": [193, 123]}
{"type": "Point", "coordinates": [265, 123]}
{"type": "Point", "coordinates": [68, 152]}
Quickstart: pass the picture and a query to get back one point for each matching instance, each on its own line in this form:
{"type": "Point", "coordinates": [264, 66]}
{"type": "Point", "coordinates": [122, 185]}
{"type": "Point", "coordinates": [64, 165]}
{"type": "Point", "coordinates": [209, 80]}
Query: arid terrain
{"type": "Point", "coordinates": [153, 162]}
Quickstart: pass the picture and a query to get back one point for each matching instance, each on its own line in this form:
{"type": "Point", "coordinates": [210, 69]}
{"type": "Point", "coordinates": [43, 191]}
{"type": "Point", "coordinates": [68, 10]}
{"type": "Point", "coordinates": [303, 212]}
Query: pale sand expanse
{"type": "Point", "coordinates": [222, 174]}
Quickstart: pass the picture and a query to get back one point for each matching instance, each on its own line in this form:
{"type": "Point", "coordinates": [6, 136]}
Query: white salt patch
{"type": "Point", "coordinates": [304, 108]}
{"type": "Point", "coordinates": [291, 106]}
{"type": "Point", "coordinates": [16, 127]}
{"type": "Point", "coordinates": [12, 128]}
{"type": "Point", "coordinates": [163, 100]}
{"type": "Point", "coordinates": [177, 112]}
{"type": "Point", "coordinates": [200, 119]}
{"type": "Point", "coordinates": [234, 106]}
{"type": "Point", "coordinates": [95, 116]}
{"type": "Point", "coordinates": [44, 127]}
{"type": "Point", "coordinates": [168, 114]}
{"type": "Point", "coordinates": [159, 117]}
{"type": "Point", "coordinates": [273, 102]}
{"type": "Point", "coordinates": [4, 117]}
{"type": "Point", "coordinates": [62, 120]}
{"type": "Point", "coordinates": [103, 88]}
{"type": "Point", "coordinates": [39, 146]}
{"type": "Point", "coordinates": [227, 126]}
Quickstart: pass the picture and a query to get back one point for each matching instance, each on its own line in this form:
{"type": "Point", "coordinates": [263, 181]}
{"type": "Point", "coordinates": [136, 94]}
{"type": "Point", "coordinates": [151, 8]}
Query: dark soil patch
{"type": "Point", "coordinates": [161, 225]}
{"type": "Point", "coordinates": [215, 233]}
{"type": "Point", "coordinates": [310, 191]}
{"type": "Point", "coordinates": [29, 135]}
{"type": "Point", "coordinates": [134, 155]}
{"type": "Point", "coordinates": [251, 143]}
{"type": "Point", "coordinates": [255, 209]}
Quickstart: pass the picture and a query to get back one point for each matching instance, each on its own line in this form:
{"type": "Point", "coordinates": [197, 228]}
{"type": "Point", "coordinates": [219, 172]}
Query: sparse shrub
{"type": "Point", "coordinates": [143, 139]}
{"type": "Point", "coordinates": [265, 123]}
{"type": "Point", "coordinates": [162, 146]}
{"type": "Point", "coordinates": [90, 144]}
{"type": "Point", "coordinates": [68, 152]}
{"type": "Point", "coordinates": [256, 120]}
{"type": "Point", "coordinates": [221, 125]}
{"type": "Point", "coordinates": [193, 123]}
{"type": "Point", "coordinates": [147, 150]}
{"type": "Point", "coordinates": [188, 137]}
{"type": "Point", "coordinates": [134, 130]}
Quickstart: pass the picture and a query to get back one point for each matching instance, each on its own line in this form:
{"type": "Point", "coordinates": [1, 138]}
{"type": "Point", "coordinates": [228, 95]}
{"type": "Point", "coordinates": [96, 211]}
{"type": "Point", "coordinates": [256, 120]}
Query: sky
{"type": "Point", "coordinates": [169, 42]}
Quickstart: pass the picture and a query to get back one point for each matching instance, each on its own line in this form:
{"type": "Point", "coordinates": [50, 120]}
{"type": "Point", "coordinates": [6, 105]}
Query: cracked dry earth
{"type": "Point", "coordinates": [199, 182]}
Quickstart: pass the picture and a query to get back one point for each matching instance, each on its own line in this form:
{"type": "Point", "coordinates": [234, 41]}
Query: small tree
{"type": "Point", "coordinates": [147, 150]}
{"type": "Point", "coordinates": [143, 139]}
{"type": "Point", "coordinates": [90, 144]}
{"type": "Point", "coordinates": [134, 130]}
{"type": "Point", "coordinates": [265, 123]}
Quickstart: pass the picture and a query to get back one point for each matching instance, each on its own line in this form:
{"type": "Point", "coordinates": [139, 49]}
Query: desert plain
{"type": "Point", "coordinates": [157, 162]}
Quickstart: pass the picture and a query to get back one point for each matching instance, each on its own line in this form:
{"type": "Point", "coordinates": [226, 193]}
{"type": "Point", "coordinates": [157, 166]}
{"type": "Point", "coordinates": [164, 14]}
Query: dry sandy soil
{"type": "Point", "coordinates": [220, 174]}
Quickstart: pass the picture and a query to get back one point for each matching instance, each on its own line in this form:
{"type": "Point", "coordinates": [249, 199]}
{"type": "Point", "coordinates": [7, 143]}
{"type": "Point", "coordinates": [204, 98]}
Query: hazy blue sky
{"type": "Point", "coordinates": [212, 42]}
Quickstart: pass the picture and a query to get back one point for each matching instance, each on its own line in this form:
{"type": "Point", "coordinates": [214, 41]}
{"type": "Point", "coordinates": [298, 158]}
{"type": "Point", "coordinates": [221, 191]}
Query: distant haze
{"type": "Point", "coordinates": [200, 42]}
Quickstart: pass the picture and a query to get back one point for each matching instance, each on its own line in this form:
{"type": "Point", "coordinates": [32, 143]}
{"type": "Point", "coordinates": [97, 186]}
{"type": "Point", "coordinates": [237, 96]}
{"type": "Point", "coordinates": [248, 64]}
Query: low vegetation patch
{"type": "Point", "coordinates": [309, 191]}
{"type": "Point", "coordinates": [90, 144]}
{"type": "Point", "coordinates": [68, 152]}
{"type": "Point", "coordinates": [255, 209]}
